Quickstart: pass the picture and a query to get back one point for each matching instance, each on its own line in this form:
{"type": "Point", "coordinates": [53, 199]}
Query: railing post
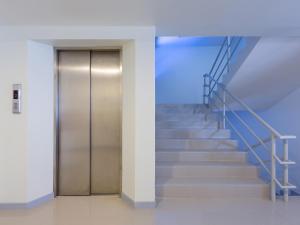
{"type": "Point", "coordinates": [224, 110]}
{"type": "Point", "coordinates": [228, 53]}
{"type": "Point", "coordinates": [219, 113]}
{"type": "Point", "coordinates": [205, 93]}
{"type": "Point", "coordinates": [286, 169]}
{"type": "Point", "coordinates": [204, 89]}
{"type": "Point", "coordinates": [273, 169]}
{"type": "Point", "coordinates": [208, 87]}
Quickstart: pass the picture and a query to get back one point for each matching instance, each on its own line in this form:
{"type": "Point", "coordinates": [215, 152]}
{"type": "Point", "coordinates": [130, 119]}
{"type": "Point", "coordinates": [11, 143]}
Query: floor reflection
{"type": "Point", "coordinates": [106, 210]}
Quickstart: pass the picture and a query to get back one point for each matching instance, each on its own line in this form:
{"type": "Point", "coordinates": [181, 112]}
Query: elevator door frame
{"type": "Point", "coordinates": [56, 113]}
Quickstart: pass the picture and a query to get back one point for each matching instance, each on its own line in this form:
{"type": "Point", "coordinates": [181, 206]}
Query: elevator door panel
{"type": "Point", "coordinates": [106, 122]}
{"type": "Point", "coordinates": [74, 123]}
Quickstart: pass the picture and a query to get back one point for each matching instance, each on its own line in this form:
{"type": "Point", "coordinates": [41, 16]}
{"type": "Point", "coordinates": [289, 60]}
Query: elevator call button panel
{"type": "Point", "coordinates": [16, 98]}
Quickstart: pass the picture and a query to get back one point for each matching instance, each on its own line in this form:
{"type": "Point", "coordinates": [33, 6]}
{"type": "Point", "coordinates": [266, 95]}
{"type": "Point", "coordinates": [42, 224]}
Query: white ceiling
{"type": "Point", "coordinates": [269, 73]}
{"type": "Point", "coordinates": [171, 17]}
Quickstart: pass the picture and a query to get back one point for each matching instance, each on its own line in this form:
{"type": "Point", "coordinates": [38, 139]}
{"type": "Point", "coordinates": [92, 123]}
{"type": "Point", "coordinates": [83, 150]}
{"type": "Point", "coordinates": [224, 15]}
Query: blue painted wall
{"type": "Point", "coordinates": [180, 66]}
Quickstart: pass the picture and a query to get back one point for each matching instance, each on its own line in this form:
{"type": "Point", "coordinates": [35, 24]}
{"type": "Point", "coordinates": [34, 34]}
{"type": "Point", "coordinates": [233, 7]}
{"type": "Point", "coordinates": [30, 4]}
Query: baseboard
{"type": "Point", "coordinates": [134, 204]}
{"type": "Point", "coordinates": [26, 205]}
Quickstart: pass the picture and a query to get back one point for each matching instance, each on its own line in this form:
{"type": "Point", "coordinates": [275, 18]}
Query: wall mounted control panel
{"type": "Point", "coordinates": [16, 98]}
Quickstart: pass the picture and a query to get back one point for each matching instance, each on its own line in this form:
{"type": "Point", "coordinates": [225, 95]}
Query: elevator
{"type": "Point", "coordinates": [89, 122]}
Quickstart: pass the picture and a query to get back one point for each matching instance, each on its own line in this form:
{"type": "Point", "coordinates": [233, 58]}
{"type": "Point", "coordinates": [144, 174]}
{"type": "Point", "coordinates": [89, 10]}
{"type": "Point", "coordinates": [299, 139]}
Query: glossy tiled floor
{"type": "Point", "coordinates": [111, 210]}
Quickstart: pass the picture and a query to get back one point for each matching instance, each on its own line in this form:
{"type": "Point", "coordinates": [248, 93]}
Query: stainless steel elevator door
{"type": "Point", "coordinates": [89, 128]}
{"type": "Point", "coordinates": [74, 123]}
{"type": "Point", "coordinates": [106, 122]}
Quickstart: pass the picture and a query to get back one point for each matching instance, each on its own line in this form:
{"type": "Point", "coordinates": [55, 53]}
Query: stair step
{"type": "Point", "coordinates": [191, 133]}
{"type": "Point", "coordinates": [180, 108]}
{"type": "Point", "coordinates": [206, 170]}
{"type": "Point", "coordinates": [195, 159]}
{"type": "Point", "coordinates": [197, 150]}
{"type": "Point", "coordinates": [187, 124]}
{"type": "Point", "coordinates": [191, 117]}
{"type": "Point", "coordinates": [210, 187]}
{"type": "Point", "coordinates": [196, 156]}
{"type": "Point", "coordinates": [185, 117]}
{"type": "Point", "coordinates": [195, 144]}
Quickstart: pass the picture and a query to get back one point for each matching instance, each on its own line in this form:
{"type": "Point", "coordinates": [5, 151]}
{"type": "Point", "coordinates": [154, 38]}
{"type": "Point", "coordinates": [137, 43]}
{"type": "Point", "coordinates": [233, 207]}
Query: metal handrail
{"type": "Point", "coordinates": [243, 122]}
{"type": "Point", "coordinates": [256, 145]}
{"type": "Point", "coordinates": [218, 55]}
{"type": "Point", "coordinates": [209, 97]}
{"type": "Point", "coordinates": [228, 61]}
{"type": "Point", "coordinates": [230, 50]}
{"type": "Point", "coordinates": [261, 142]}
{"type": "Point", "coordinates": [262, 121]}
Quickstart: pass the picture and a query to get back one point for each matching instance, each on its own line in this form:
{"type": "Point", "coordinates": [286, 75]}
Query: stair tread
{"type": "Point", "coordinates": [204, 163]}
{"type": "Point", "coordinates": [188, 181]}
{"type": "Point", "coordinates": [197, 150]}
{"type": "Point", "coordinates": [201, 151]}
{"type": "Point", "coordinates": [178, 118]}
{"type": "Point", "coordinates": [178, 121]}
{"type": "Point", "coordinates": [187, 126]}
{"type": "Point", "coordinates": [196, 139]}
{"type": "Point", "coordinates": [183, 128]}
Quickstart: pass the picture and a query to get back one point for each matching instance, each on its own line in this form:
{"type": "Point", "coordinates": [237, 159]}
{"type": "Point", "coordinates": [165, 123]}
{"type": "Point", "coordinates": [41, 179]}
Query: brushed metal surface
{"type": "Point", "coordinates": [106, 122]}
{"type": "Point", "coordinates": [74, 123]}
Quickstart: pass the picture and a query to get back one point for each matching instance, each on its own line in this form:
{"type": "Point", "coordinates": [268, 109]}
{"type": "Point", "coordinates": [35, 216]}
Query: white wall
{"type": "Point", "coordinates": [40, 120]}
{"type": "Point", "coordinates": [26, 140]}
{"type": "Point", "coordinates": [179, 72]}
{"type": "Point", "coordinates": [144, 120]}
{"type": "Point", "coordinates": [26, 143]}
{"type": "Point", "coordinates": [138, 104]}
{"type": "Point", "coordinates": [13, 127]}
{"type": "Point", "coordinates": [128, 121]}
{"type": "Point", "coordinates": [274, 63]}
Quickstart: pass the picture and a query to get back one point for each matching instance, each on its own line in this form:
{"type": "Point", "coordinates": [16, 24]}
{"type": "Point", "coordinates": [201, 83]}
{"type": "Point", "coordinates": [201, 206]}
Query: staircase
{"type": "Point", "coordinates": [195, 159]}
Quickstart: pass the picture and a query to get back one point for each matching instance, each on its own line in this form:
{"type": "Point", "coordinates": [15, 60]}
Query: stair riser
{"type": "Point", "coordinates": [195, 144]}
{"type": "Point", "coordinates": [197, 150]}
{"type": "Point", "coordinates": [185, 111]}
{"type": "Point", "coordinates": [209, 124]}
{"type": "Point", "coordinates": [184, 117]}
{"type": "Point", "coordinates": [186, 122]}
{"type": "Point", "coordinates": [207, 171]}
{"type": "Point", "coordinates": [180, 108]}
{"type": "Point", "coordinates": [200, 156]}
{"type": "Point", "coordinates": [192, 133]}
{"type": "Point", "coordinates": [210, 191]}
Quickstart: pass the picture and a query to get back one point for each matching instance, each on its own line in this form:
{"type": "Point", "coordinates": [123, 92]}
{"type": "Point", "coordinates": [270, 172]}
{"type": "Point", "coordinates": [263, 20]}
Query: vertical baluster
{"type": "Point", "coordinates": [273, 169]}
{"type": "Point", "coordinates": [209, 89]}
{"type": "Point", "coordinates": [228, 53]}
{"type": "Point", "coordinates": [219, 110]}
{"type": "Point", "coordinates": [224, 110]}
{"type": "Point", "coordinates": [204, 89]}
{"type": "Point", "coordinates": [205, 94]}
{"type": "Point", "coordinates": [286, 169]}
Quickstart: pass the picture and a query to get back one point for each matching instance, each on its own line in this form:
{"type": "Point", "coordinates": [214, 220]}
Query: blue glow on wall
{"type": "Point", "coordinates": [188, 41]}
{"type": "Point", "coordinates": [180, 65]}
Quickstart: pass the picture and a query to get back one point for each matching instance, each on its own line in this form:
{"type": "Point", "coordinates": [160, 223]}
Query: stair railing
{"type": "Point", "coordinates": [217, 97]}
